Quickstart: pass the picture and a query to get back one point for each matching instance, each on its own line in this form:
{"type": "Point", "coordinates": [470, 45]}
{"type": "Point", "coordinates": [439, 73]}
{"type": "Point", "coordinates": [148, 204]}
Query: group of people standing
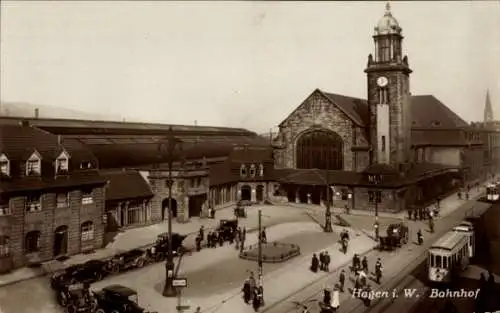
{"type": "Point", "coordinates": [219, 237]}
{"type": "Point", "coordinates": [252, 292]}
{"type": "Point", "coordinates": [322, 263]}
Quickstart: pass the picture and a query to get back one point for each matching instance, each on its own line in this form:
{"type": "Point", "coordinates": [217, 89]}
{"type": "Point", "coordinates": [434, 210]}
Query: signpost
{"type": "Point", "coordinates": [179, 283]}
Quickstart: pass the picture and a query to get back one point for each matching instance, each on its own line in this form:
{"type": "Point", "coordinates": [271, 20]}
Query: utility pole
{"type": "Point", "coordinates": [169, 290]}
{"type": "Point", "coordinates": [328, 214]}
{"type": "Point", "coordinates": [260, 265]}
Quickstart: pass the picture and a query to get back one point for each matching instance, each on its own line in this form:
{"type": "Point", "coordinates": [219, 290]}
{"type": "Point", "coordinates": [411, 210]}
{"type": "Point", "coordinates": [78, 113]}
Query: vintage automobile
{"type": "Point", "coordinates": [81, 300]}
{"type": "Point", "coordinates": [135, 258]}
{"type": "Point", "coordinates": [118, 299]}
{"type": "Point", "coordinates": [397, 235]}
{"type": "Point", "coordinates": [161, 245]}
{"type": "Point", "coordinates": [88, 272]}
{"type": "Point", "coordinates": [227, 228]}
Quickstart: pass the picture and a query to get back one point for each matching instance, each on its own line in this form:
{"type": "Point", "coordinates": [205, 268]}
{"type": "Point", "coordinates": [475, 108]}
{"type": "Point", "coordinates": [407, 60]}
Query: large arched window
{"type": "Point", "coordinates": [320, 149]}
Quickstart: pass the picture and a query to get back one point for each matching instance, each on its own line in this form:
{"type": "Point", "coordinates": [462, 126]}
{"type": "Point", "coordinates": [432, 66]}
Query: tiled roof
{"type": "Point", "coordinates": [133, 151]}
{"type": "Point", "coordinates": [123, 185]}
{"type": "Point", "coordinates": [80, 178]}
{"type": "Point", "coordinates": [356, 109]}
{"type": "Point", "coordinates": [221, 173]}
{"type": "Point", "coordinates": [428, 112]}
{"type": "Point", "coordinates": [317, 177]}
{"type": "Point", "coordinates": [71, 126]}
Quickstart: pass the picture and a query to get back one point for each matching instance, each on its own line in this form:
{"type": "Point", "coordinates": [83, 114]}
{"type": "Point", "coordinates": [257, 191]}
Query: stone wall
{"type": "Point", "coordinates": [50, 218]}
{"type": "Point", "coordinates": [315, 110]}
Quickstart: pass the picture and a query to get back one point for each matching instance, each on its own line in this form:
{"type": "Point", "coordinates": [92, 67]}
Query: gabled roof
{"type": "Point", "coordinates": [355, 109]}
{"type": "Point", "coordinates": [123, 185]}
{"type": "Point", "coordinates": [426, 110]}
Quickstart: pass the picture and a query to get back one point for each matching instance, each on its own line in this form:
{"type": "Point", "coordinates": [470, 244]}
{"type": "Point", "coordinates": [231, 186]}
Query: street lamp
{"type": "Point", "coordinates": [376, 179]}
{"type": "Point", "coordinates": [328, 213]}
{"type": "Point", "coordinates": [170, 146]}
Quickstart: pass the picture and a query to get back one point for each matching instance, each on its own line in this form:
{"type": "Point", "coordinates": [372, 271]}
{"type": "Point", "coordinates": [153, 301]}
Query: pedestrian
{"type": "Point", "coordinates": [253, 283]}
{"type": "Point", "coordinates": [342, 280]}
{"type": "Point", "coordinates": [198, 310]}
{"type": "Point", "coordinates": [327, 297]}
{"type": "Point", "coordinates": [335, 300]}
{"type": "Point", "coordinates": [220, 236]}
{"type": "Point", "coordinates": [256, 299]}
{"type": "Point", "coordinates": [326, 266]}
{"type": "Point", "coordinates": [314, 263]}
{"type": "Point", "coordinates": [467, 196]}
{"type": "Point", "coordinates": [321, 261]}
{"type": "Point", "coordinates": [202, 233]}
{"type": "Point", "coordinates": [237, 240]}
{"type": "Point", "coordinates": [364, 263]}
{"type": "Point", "coordinates": [247, 291]}
{"type": "Point", "coordinates": [198, 243]}
{"type": "Point", "coordinates": [263, 236]}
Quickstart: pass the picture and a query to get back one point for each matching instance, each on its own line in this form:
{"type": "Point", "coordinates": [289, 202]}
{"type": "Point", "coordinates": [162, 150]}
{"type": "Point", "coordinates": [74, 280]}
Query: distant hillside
{"type": "Point", "coordinates": [20, 109]}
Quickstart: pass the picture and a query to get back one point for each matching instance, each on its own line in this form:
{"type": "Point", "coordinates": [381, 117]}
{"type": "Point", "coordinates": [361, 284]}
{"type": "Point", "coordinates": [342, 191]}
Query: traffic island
{"type": "Point", "coordinates": [273, 252]}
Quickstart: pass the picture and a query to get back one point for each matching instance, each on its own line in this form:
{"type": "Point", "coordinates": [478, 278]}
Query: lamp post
{"type": "Point", "coordinates": [328, 213]}
{"type": "Point", "coordinates": [376, 179]}
{"type": "Point", "coordinates": [171, 144]}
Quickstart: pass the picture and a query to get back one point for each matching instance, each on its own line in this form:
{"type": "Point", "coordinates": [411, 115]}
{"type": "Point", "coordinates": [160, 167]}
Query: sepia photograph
{"type": "Point", "coordinates": [249, 156]}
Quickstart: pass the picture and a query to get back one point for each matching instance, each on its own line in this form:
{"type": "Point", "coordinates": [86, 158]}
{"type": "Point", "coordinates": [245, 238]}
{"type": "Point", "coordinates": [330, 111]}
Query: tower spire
{"type": "Point", "coordinates": [488, 110]}
{"type": "Point", "coordinates": [387, 8]}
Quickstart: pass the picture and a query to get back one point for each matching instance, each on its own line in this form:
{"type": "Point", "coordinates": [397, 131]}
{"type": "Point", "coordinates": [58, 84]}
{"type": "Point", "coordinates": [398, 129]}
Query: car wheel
{"type": "Point", "coordinates": [140, 263]}
{"type": "Point", "coordinates": [62, 299]}
{"type": "Point", "coordinates": [115, 311]}
{"type": "Point", "coordinates": [71, 309]}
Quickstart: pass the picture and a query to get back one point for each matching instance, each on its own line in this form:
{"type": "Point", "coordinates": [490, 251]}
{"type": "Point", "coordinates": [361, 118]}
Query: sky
{"type": "Point", "coordinates": [238, 64]}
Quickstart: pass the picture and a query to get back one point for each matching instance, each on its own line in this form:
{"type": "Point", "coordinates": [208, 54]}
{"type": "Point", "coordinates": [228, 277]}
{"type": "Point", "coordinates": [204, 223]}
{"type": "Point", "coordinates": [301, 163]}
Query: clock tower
{"type": "Point", "coordinates": [388, 76]}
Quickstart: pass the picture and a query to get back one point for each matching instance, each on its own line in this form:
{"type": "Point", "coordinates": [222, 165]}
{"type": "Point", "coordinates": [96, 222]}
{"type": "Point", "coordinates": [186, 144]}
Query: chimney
{"type": "Point", "coordinates": [59, 139]}
{"type": "Point", "coordinates": [195, 123]}
{"type": "Point", "coordinates": [37, 113]}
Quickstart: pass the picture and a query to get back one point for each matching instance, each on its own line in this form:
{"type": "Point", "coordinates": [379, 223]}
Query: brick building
{"type": "Point", "coordinates": [51, 197]}
{"type": "Point", "coordinates": [390, 152]}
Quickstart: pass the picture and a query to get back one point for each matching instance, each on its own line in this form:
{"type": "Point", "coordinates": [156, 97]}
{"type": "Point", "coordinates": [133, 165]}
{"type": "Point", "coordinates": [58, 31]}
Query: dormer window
{"type": "Point", "coordinates": [252, 170]}
{"type": "Point", "coordinates": [261, 170]}
{"type": "Point", "coordinates": [243, 170]}
{"type": "Point", "coordinates": [62, 163]}
{"type": "Point", "coordinates": [4, 165]}
{"type": "Point", "coordinates": [85, 165]}
{"type": "Point", "coordinates": [33, 165]}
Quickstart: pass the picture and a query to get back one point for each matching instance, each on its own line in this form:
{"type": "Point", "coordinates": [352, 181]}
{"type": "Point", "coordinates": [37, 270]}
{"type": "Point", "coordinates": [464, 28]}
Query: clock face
{"type": "Point", "coordinates": [382, 81]}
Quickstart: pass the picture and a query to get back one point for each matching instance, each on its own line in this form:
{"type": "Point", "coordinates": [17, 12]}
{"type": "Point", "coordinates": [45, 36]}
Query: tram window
{"type": "Point", "coordinates": [431, 260]}
{"type": "Point", "coordinates": [438, 261]}
{"type": "Point", "coordinates": [445, 262]}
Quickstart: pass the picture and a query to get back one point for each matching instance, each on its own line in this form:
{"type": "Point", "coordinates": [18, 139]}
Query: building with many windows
{"type": "Point", "coordinates": [51, 197]}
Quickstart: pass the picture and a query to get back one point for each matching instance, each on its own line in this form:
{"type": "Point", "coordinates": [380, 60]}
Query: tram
{"type": "Point", "coordinates": [448, 256]}
{"type": "Point", "coordinates": [467, 228]}
{"type": "Point", "coordinates": [492, 192]}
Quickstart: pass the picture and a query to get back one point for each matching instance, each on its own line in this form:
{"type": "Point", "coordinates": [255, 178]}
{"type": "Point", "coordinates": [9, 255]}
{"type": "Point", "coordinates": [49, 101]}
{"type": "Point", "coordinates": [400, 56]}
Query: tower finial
{"type": "Point", "coordinates": [388, 8]}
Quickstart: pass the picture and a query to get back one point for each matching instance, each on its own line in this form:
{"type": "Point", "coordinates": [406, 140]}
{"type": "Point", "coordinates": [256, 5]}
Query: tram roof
{"type": "Point", "coordinates": [449, 241]}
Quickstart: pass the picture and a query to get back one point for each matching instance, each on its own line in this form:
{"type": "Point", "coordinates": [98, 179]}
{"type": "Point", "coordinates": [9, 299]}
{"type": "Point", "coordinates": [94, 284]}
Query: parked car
{"type": "Point", "coordinates": [88, 272]}
{"type": "Point", "coordinates": [118, 299]}
{"type": "Point", "coordinates": [161, 245]}
{"type": "Point", "coordinates": [135, 258]}
{"type": "Point", "coordinates": [397, 235]}
{"type": "Point", "coordinates": [227, 228]}
{"type": "Point", "coordinates": [81, 300]}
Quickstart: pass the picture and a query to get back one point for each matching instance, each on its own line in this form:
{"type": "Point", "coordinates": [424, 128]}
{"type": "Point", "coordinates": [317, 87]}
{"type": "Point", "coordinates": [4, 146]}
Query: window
{"type": "Point", "coordinates": [33, 167]}
{"type": "Point", "coordinates": [4, 206]}
{"type": "Point", "coordinates": [374, 196]}
{"type": "Point", "coordinates": [62, 200]}
{"type": "Point", "coordinates": [85, 165]}
{"type": "Point", "coordinates": [62, 166]}
{"type": "Point", "coordinates": [87, 231]}
{"type": "Point", "coordinates": [33, 203]}
{"type": "Point", "coordinates": [4, 246]}
{"type": "Point", "coordinates": [371, 196]}
{"type": "Point", "coordinates": [445, 261]}
{"type": "Point", "coordinates": [252, 170]}
{"type": "Point", "coordinates": [243, 170]}
{"type": "Point", "coordinates": [4, 165]}
{"type": "Point", "coordinates": [261, 170]}
{"type": "Point", "coordinates": [431, 260]}
{"type": "Point", "coordinates": [385, 50]}
{"type": "Point", "coordinates": [438, 261]}
{"type": "Point", "coordinates": [383, 143]}
{"type": "Point", "coordinates": [32, 242]}
{"type": "Point", "coordinates": [87, 196]}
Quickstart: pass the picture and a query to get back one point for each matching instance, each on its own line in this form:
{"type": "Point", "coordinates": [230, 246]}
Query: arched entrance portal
{"type": "Point", "coordinates": [246, 193]}
{"type": "Point", "coordinates": [259, 193]}
{"type": "Point", "coordinates": [165, 205]}
{"type": "Point", "coordinates": [61, 241]}
{"type": "Point", "coordinates": [322, 149]}
{"type": "Point", "coordinates": [196, 204]}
